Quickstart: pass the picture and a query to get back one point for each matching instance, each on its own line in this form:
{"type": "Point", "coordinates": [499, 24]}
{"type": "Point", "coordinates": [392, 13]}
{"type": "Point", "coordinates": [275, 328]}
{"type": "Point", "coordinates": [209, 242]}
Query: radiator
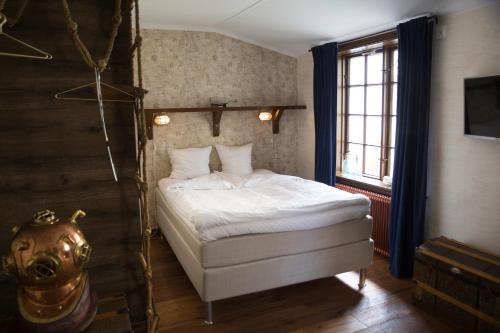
{"type": "Point", "coordinates": [380, 210]}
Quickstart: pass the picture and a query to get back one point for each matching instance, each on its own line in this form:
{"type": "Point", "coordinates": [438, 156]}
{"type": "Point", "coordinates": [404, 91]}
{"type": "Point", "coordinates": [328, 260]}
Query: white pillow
{"type": "Point", "coordinates": [190, 162]}
{"type": "Point", "coordinates": [236, 159]}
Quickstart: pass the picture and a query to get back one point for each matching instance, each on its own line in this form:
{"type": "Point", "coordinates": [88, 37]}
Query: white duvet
{"type": "Point", "coordinates": [222, 205]}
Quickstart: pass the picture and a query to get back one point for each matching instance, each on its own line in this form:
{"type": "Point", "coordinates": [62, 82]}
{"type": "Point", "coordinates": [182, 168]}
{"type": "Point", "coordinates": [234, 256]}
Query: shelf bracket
{"type": "Point", "coordinates": [277, 113]}
{"type": "Point", "coordinates": [149, 124]}
{"type": "Point", "coordinates": [216, 117]}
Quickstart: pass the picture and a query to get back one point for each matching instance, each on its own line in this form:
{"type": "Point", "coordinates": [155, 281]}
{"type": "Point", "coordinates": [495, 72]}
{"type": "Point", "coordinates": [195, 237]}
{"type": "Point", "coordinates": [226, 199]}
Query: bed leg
{"type": "Point", "coordinates": [209, 314]}
{"type": "Point", "coordinates": [362, 278]}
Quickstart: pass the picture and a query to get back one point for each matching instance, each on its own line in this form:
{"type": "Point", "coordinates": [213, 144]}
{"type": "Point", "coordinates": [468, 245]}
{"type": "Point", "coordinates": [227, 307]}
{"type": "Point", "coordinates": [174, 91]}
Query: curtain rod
{"type": "Point", "coordinates": [430, 18]}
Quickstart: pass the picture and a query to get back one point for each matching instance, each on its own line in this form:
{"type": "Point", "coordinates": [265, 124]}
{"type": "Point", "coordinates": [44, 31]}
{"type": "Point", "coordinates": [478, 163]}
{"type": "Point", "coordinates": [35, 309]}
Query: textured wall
{"type": "Point", "coordinates": [186, 69]}
{"type": "Point", "coordinates": [464, 182]}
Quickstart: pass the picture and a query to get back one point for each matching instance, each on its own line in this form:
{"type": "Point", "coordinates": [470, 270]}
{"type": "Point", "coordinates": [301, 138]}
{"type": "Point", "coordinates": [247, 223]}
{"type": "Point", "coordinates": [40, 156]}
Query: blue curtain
{"type": "Point", "coordinates": [412, 128]}
{"type": "Point", "coordinates": [325, 111]}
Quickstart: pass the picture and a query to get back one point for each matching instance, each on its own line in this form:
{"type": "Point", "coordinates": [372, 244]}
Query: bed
{"type": "Point", "coordinates": [239, 235]}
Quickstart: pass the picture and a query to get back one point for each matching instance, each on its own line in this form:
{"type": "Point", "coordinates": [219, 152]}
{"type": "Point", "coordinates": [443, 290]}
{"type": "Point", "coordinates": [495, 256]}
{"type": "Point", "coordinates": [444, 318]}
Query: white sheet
{"type": "Point", "coordinates": [223, 205]}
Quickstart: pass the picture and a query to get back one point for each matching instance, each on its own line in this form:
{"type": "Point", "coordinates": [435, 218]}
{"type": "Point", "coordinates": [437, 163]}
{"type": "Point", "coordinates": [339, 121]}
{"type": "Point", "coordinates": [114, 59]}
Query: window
{"type": "Point", "coordinates": [369, 112]}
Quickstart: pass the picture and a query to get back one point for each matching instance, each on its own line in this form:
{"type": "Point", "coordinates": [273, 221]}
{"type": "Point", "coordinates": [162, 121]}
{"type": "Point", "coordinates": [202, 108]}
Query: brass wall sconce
{"type": "Point", "coordinates": [161, 119]}
{"type": "Point", "coordinates": [265, 116]}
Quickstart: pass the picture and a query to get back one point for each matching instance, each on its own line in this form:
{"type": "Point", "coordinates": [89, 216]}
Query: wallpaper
{"type": "Point", "coordinates": [187, 69]}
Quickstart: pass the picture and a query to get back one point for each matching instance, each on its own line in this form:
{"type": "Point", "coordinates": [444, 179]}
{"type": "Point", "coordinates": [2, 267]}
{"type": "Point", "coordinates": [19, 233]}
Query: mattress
{"type": "Point", "coordinates": [228, 281]}
{"type": "Point", "coordinates": [221, 205]}
{"type": "Point", "coordinates": [254, 247]}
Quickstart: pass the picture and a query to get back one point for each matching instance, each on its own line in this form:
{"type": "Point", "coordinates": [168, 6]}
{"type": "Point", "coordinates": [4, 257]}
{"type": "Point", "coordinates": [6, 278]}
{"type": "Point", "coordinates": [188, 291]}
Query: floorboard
{"type": "Point", "coordinates": [326, 305]}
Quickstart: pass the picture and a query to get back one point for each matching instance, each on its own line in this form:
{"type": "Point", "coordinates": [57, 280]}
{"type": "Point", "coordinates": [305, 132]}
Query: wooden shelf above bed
{"type": "Point", "coordinates": [276, 110]}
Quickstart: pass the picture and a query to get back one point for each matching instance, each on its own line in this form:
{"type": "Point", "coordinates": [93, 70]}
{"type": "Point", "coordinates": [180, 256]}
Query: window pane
{"type": "Point", "coordinates": [374, 130]}
{"type": "Point", "coordinates": [374, 100]}
{"type": "Point", "coordinates": [355, 158]}
{"type": "Point", "coordinates": [357, 100]}
{"type": "Point", "coordinates": [395, 66]}
{"type": "Point", "coordinates": [394, 102]}
{"type": "Point", "coordinates": [357, 70]}
{"type": "Point", "coordinates": [393, 131]}
{"type": "Point", "coordinates": [374, 70]}
{"type": "Point", "coordinates": [391, 161]}
{"type": "Point", "coordinates": [372, 162]}
{"type": "Point", "coordinates": [355, 129]}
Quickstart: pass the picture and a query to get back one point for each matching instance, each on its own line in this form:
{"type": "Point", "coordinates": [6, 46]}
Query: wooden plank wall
{"type": "Point", "coordinates": [52, 152]}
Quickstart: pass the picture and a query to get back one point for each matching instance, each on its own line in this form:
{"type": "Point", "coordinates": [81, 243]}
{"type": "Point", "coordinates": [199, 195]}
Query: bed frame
{"type": "Point", "coordinates": [216, 283]}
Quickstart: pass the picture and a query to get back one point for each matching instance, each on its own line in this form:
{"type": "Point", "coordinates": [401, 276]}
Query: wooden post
{"type": "Point", "coordinates": [216, 117]}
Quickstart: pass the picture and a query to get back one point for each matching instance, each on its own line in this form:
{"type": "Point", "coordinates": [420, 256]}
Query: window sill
{"type": "Point", "coordinates": [364, 183]}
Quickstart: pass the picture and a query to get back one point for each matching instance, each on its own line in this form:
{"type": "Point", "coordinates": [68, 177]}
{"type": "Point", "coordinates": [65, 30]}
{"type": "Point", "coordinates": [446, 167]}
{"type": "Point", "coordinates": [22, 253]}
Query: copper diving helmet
{"type": "Point", "coordinates": [47, 256]}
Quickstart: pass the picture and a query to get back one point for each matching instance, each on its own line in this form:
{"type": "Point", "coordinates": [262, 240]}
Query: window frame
{"type": "Point", "coordinates": [387, 49]}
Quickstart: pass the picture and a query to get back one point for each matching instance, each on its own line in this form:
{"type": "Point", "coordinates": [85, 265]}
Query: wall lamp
{"type": "Point", "coordinates": [161, 119]}
{"type": "Point", "coordinates": [265, 116]}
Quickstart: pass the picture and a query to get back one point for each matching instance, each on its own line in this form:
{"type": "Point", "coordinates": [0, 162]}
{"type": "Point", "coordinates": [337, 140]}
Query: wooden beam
{"type": "Point", "coordinates": [229, 108]}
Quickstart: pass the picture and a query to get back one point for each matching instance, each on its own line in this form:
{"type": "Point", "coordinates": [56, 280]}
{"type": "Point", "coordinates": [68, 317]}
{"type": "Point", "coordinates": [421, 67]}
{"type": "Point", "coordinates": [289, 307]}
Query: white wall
{"type": "Point", "coordinates": [464, 173]}
{"type": "Point", "coordinates": [305, 118]}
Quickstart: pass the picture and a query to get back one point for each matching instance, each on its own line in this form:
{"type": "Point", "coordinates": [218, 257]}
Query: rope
{"type": "Point", "coordinates": [140, 115]}
{"type": "Point", "coordinates": [142, 181]}
{"type": "Point", "coordinates": [12, 21]}
{"type": "Point", "coordinates": [98, 66]}
{"type": "Point", "coordinates": [84, 52]}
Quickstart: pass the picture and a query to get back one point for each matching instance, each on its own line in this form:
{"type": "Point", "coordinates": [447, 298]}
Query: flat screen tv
{"type": "Point", "coordinates": [482, 107]}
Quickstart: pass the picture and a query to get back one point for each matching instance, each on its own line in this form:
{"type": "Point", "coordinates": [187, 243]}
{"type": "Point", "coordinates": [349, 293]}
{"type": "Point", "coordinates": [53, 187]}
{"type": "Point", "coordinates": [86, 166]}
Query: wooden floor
{"type": "Point", "coordinates": [326, 305]}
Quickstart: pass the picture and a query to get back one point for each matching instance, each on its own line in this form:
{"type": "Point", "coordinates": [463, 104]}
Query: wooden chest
{"type": "Point", "coordinates": [459, 284]}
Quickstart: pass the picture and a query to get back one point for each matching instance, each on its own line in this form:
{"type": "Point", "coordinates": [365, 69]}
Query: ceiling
{"type": "Point", "coordinates": [292, 26]}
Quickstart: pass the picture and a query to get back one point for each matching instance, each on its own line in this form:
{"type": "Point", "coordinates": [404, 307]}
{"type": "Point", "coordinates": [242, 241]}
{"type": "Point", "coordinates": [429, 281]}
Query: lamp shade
{"type": "Point", "coordinates": [265, 116]}
{"type": "Point", "coordinates": [161, 119]}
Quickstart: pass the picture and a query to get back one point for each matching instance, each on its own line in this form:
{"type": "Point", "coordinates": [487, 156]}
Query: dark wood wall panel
{"type": "Point", "coordinates": [52, 152]}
